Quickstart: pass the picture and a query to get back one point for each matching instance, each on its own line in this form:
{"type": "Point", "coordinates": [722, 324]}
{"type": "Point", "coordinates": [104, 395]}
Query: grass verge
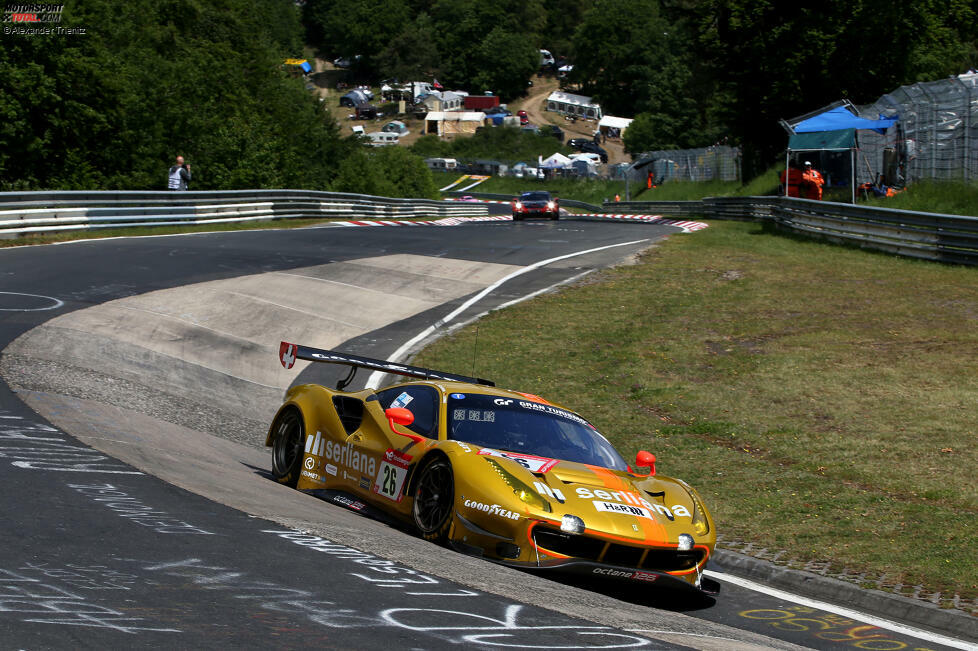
{"type": "Point", "coordinates": [821, 398]}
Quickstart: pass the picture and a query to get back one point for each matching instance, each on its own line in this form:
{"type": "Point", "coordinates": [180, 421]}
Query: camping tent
{"type": "Point", "coordinates": [830, 129]}
{"type": "Point", "coordinates": [554, 161]}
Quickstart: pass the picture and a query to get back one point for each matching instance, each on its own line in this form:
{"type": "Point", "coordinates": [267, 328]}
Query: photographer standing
{"type": "Point", "coordinates": [179, 175]}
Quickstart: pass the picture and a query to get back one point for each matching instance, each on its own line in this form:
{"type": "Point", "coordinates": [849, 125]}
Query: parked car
{"type": "Point", "coordinates": [592, 148]}
{"type": "Point", "coordinates": [578, 143]}
{"type": "Point", "coordinates": [556, 132]}
{"type": "Point", "coordinates": [497, 110]}
{"type": "Point", "coordinates": [366, 112]}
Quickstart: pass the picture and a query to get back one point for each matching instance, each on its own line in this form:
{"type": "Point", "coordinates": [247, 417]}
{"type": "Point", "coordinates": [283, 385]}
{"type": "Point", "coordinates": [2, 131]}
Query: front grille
{"type": "Point", "coordinates": [590, 548]}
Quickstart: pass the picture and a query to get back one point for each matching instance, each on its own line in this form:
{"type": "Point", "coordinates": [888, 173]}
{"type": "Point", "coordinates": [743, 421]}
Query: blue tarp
{"type": "Point", "coordinates": [305, 67]}
{"type": "Point", "coordinates": [841, 118]}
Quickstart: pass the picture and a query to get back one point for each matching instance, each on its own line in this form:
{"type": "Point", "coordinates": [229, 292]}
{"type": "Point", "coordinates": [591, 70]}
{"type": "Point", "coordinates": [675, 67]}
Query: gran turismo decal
{"type": "Point", "coordinates": [492, 509]}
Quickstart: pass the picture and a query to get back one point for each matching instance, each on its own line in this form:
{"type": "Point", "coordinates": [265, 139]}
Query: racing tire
{"type": "Point", "coordinates": [555, 216]}
{"type": "Point", "coordinates": [287, 452]}
{"type": "Point", "coordinates": [434, 500]}
{"type": "Point", "coordinates": [517, 218]}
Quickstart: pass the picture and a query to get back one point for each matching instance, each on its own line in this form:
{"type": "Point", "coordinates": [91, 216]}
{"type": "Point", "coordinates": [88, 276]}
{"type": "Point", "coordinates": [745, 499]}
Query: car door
{"type": "Point", "coordinates": [387, 464]}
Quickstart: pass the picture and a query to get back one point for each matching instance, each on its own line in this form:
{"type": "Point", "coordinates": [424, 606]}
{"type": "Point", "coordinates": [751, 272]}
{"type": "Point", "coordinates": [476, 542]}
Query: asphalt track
{"type": "Point", "coordinates": [186, 542]}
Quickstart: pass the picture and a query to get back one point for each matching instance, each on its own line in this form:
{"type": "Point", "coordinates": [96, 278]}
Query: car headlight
{"type": "Point", "coordinates": [518, 205]}
{"type": "Point", "coordinates": [572, 524]}
{"type": "Point", "coordinates": [524, 492]}
{"type": "Point", "coordinates": [685, 542]}
{"type": "Point", "coordinates": [550, 205]}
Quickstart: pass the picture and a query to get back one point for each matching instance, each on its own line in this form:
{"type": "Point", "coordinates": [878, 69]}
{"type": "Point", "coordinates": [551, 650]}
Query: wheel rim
{"type": "Point", "coordinates": [288, 442]}
{"type": "Point", "coordinates": [435, 497]}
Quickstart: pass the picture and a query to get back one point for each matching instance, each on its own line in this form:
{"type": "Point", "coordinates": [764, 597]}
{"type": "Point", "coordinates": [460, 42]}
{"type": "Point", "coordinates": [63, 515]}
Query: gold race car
{"type": "Point", "coordinates": [490, 472]}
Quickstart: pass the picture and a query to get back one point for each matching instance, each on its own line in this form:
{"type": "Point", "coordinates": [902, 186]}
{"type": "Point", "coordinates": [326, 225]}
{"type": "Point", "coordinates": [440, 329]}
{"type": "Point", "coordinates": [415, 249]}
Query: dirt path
{"type": "Point", "coordinates": [535, 106]}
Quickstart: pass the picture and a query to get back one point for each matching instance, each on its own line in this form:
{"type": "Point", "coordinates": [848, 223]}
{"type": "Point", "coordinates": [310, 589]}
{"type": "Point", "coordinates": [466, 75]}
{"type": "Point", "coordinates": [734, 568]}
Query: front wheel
{"type": "Point", "coordinates": [287, 447]}
{"type": "Point", "coordinates": [434, 500]}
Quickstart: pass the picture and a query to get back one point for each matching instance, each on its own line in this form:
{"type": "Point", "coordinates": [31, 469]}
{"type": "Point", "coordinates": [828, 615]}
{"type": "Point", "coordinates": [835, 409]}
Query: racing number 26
{"type": "Point", "coordinates": [390, 481]}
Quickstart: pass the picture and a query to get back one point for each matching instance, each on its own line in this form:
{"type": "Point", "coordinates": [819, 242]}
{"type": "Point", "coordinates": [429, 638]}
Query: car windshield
{"type": "Point", "coordinates": [528, 427]}
{"type": "Point", "coordinates": [535, 196]}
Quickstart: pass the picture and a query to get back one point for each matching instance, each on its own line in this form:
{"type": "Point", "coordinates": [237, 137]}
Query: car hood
{"type": "Point", "coordinates": [640, 509]}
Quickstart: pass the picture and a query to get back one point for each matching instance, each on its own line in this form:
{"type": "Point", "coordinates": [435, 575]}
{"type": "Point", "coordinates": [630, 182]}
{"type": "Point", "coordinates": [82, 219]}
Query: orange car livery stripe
{"type": "Point", "coordinates": [651, 529]}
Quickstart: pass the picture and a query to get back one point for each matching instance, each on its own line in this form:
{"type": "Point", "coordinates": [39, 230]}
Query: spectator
{"type": "Point", "coordinates": [179, 175]}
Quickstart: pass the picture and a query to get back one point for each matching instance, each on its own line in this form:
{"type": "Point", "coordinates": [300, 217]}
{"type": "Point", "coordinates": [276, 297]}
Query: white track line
{"type": "Point", "coordinates": [903, 629]}
{"type": "Point", "coordinates": [374, 380]}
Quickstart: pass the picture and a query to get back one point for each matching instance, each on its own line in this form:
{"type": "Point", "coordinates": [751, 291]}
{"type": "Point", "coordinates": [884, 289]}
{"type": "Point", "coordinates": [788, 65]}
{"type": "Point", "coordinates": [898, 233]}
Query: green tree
{"type": "Point", "coordinates": [110, 109]}
{"type": "Point", "coordinates": [505, 62]}
{"type": "Point", "coordinates": [385, 172]}
{"type": "Point", "coordinates": [413, 54]}
{"type": "Point", "coordinates": [356, 28]}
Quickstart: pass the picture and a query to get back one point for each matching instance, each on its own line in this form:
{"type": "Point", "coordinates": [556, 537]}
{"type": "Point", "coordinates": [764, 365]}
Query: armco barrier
{"type": "Point", "coordinates": [40, 212]}
{"type": "Point", "coordinates": [931, 236]}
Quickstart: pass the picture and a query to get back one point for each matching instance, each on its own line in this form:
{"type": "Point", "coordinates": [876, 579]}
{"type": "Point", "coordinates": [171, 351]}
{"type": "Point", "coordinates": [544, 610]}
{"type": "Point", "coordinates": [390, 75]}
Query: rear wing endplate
{"type": "Point", "coordinates": [288, 353]}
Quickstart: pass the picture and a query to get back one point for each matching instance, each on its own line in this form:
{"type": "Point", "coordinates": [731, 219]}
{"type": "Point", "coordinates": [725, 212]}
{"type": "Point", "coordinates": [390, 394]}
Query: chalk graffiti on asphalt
{"type": "Point", "coordinates": [831, 628]}
{"type": "Point", "coordinates": [34, 446]}
{"type": "Point", "coordinates": [386, 574]}
{"type": "Point", "coordinates": [42, 602]}
{"type": "Point", "coordinates": [454, 626]}
{"type": "Point", "coordinates": [134, 510]}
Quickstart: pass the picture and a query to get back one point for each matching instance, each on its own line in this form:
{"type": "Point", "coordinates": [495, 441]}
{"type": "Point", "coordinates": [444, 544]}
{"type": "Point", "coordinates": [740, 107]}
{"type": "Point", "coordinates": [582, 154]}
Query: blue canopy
{"type": "Point", "coordinates": [841, 118]}
{"type": "Point", "coordinates": [305, 67]}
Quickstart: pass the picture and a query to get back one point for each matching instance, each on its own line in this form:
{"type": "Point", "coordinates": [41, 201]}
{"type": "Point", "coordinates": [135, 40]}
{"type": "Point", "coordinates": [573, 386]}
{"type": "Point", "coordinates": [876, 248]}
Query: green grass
{"type": "Point", "coordinates": [821, 398]}
{"type": "Point", "coordinates": [945, 197]}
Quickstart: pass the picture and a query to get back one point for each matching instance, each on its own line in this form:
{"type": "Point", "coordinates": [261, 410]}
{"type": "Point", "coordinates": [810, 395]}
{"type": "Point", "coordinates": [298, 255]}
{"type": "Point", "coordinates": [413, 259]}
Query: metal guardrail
{"type": "Point", "coordinates": [930, 236]}
{"type": "Point", "coordinates": [23, 213]}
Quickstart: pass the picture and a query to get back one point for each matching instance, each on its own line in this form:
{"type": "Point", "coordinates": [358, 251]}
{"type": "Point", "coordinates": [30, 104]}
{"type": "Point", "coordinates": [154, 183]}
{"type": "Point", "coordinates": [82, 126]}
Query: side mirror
{"type": "Point", "coordinates": [645, 459]}
{"type": "Point", "coordinates": [399, 415]}
{"type": "Point", "coordinates": [402, 416]}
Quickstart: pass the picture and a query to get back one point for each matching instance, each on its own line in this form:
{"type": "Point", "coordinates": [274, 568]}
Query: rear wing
{"type": "Point", "coordinates": [288, 353]}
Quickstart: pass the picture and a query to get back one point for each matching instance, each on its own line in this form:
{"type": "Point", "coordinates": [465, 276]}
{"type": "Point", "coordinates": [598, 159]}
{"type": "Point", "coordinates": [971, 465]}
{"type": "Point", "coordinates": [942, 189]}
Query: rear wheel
{"type": "Point", "coordinates": [289, 433]}
{"type": "Point", "coordinates": [434, 500]}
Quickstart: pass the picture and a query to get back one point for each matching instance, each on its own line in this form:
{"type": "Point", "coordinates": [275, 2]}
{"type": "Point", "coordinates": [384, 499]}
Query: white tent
{"type": "Point", "coordinates": [576, 105]}
{"type": "Point", "coordinates": [611, 122]}
{"type": "Point", "coordinates": [555, 161]}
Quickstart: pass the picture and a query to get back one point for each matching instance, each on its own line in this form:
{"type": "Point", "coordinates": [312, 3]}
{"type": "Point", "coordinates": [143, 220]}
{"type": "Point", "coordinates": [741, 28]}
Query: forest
{"type": "Point", "coordinates": [111, 108]}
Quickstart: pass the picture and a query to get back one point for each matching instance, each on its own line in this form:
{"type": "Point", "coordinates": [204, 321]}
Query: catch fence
{"type": "Point", "coordinates": [936, 136]}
